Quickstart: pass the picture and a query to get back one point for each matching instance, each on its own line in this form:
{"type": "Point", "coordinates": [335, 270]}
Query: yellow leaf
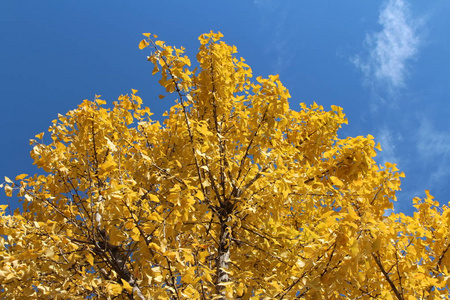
{"type": "Point", "coordinates": [352, 213]}
{"type": "Point", "coordinates": [200, 195]}
{"type": "Point", "coordinates": [327, 214]}
{"type": "Point", "coordinates": [115, 236]}
{"type": "Point", "coordinates": [21, 176]}
{"type": "Point", "coordinates": [159, 44]}
{"type": "Point", "coordinates": [90, 259]}
{"type": "Point", "coordinates": [9, 276]}
{"type": "Point", "coordinates": [109, 164]}
{"type": "Point", "coordinates": [336, 108]}
{"type": "Point", "coordinates": [129, 225]}
{"type": "Point", "coordinates": [49, 253]}
{"type": "Point", "coordinates": [111, 145]}
{"type": "Point", "coordinates": [126, 285]}
{"type": "Point", "coordinates": [134, 91]}
{"type": "Point", "coordinates": [179, 165]}
{"type": "Point", "coordinates": [203, 255]}
{"type": "Point", "coordinates": [336, 181]}
{"type": "Point", "coordinates": [147, 34]}
{"type": "Point", "coordinates": [355, 249]}
{"type": "Point", "coordinates": [378, 147]}
{"type": "Point", "coordinates": [39, 136]}
{"type": "Point", "coordinates": [100, 102]}
{"type": "Point", "coordinates": [143, 44]}
{"type": "Point", "coordinates": [300, 263]}
{"type": "Point", "coordinates": [154, 71]}
{"type": "Point", "coordinates": [240, 289]}
{"type": "Point", "coordinates": [226, 283]}
{"type": "Point", "coordinates": [154, 198]}
{"type": "Point", "coordinates": [8, 190]}
{"type": "Point", "coordinates": [155, 246]}
{"type": "Point", "coordinates": [376, 244]}
{"type": "Point", "coordinates": [203, 129]}
{"type": "Point", "coordinates": [114, 289]}
{"type": "Point", "coordinates": [135, 234]}
{"type": "Point", "coordinates": [8, 180]}
{"type": "Point", "coordinates": [158, 278]}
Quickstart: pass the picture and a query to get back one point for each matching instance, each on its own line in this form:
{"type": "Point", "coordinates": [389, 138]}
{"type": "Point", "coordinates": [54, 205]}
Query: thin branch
{"type": "Point", "coordinates": [387, 277]}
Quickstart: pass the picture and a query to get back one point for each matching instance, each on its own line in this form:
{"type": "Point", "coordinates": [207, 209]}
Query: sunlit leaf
{"type": "Point", "coordinates": [143, 44]}
{"type": "Point", "coordinates": [21, 176]}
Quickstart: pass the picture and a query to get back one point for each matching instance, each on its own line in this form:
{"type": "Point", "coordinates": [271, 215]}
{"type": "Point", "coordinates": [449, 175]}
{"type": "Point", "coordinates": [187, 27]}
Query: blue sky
{"type": "Point", "coordinates": [385, 62]}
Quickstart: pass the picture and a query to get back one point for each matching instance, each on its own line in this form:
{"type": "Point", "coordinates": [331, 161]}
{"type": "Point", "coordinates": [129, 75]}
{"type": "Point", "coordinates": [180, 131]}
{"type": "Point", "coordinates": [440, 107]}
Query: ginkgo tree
{"type": "Point", "coordinates": [233, 196]}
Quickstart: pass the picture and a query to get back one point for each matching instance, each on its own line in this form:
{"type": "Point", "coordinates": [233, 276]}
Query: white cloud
{"type": "Point", "coordinates": [385, 64]}
{"type": "Point", "coordinates": [431, 142]}
{"type": "Point", "coordinates": [434, 151]}
{"type": "Point", "coordinates": [387, 142]}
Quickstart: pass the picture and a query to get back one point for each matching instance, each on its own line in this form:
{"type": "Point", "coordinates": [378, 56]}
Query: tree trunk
{"type": "Point", "coordinates": [118, 262]}
{"type": "Point", "coordinates": [223, 259]}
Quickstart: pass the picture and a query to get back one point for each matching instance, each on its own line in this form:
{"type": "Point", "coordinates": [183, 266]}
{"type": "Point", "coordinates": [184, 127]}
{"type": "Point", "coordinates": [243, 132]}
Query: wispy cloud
{"type": "Point", "coordinates": [263, 2]}
{"type": "Point", "coordinates": [385, 63]}
{"type": "Point", "coordinates": [274, 19]}
{"type": "Point", "coordinates": [433, 147]}
{"type": "Point", "coordinates": [431, 142]}
{"type": "Point", "coordinates": [387, 142]}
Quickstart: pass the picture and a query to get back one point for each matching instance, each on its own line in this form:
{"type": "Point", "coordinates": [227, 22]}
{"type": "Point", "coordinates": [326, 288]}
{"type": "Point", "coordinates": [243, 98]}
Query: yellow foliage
{"type": "Point", "coordinates": [235, 195]}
